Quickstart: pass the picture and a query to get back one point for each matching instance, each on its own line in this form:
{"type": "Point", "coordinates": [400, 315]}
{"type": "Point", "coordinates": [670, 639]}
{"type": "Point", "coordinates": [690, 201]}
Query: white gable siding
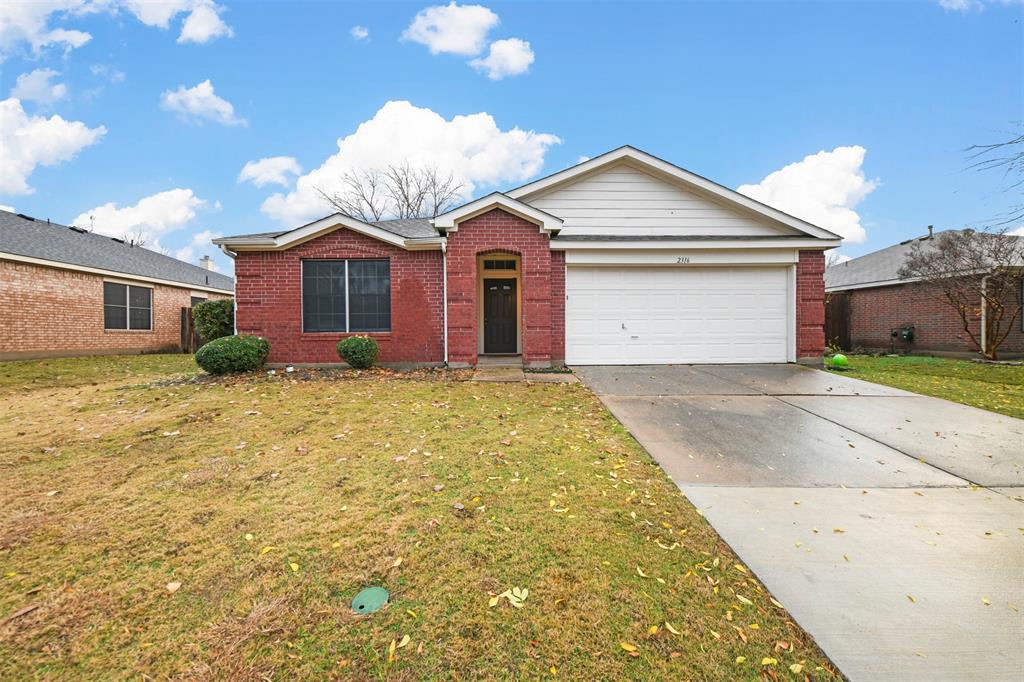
{"type": "Point", "coordinates": [623, 200]}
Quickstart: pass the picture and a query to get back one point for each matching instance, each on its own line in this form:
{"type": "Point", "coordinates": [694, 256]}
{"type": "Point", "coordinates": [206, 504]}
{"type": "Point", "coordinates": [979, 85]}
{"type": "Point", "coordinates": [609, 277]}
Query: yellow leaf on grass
{"type": "Point", "coordinates": [391, 650]}
{"type": "Point", "coordinates": [743, 600]}
{"type": "Point", "coordinates": [266, 549]}
{"type": "Point", "coordinates": [773, 601]}
{"type": "Point", "coordinates": [411, 613]}
{"type": "Point", "coordinates": [493, 601]}
{"type": "Point", "coordinates": [769, 661]}
{"type": "Point", "coordinates": [248, 537]}
{"type": "Point", "coordinates": [405, 641]}
{"type": "Point", "coordinates": [627, 646]}
{"type": "Point", "coordinates": [173, 587]}
{"type": "Point", "coordinates": [715, 634]}
{"type": "Point", "coordinates": [741, 659]}
{"type": "Point", "coordinates": [294, 566]}
{"type": "Point", "coordinates": [640, 572]}
{"type": "Point", "coordinates": [396, 563]}
{"type": "Point", "coordinates": [740, 568]}
{"type": "Point", "coordinates": [668, 626]}
{"type": "Point", "coordinates": [653, 630]}
{"type": "Point", "coordinates": [796, 668]}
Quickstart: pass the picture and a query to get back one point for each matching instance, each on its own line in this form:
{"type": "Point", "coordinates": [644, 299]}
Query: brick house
{"type": "Point", "coordinates": [622, 259]}
{"type": "Point", "coordinates": [878, 302]}
{"type": "Point", "coordinates": [67, 291]}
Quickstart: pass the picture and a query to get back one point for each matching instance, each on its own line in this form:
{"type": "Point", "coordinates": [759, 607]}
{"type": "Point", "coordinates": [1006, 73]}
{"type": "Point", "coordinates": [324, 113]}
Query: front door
{"type": "Point", "coordinates": [499, 316]}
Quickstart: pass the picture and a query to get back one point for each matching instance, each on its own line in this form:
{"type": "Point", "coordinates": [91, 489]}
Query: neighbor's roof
{"type": "Point", "coordinates": [880, 268]}
{"type": "Point", "coordinates": [22, 235]}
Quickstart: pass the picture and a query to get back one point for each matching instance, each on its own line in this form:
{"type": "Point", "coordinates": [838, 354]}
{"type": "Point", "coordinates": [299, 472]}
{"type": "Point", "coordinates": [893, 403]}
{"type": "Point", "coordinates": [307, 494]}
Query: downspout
{"type": "Point", "coordinates": [444, 294]}
{"type": "Point", "coordinates": [984, 314]}
{"type": "Point", "coordinates": [234, 299]}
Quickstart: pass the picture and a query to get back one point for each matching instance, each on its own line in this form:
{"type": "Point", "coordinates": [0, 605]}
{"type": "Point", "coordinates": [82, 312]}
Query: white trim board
{"type": "Point", "coordinates": [123, 276]}
{"type": "Point", "coordinates": [321, 227]}
{"type": "Point", "coordinates": [449, 222]}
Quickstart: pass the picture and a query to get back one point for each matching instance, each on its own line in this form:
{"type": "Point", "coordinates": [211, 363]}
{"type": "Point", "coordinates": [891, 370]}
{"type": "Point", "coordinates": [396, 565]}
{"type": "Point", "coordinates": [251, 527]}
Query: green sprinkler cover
{"type": "Point", "coordinates": [369, 600]}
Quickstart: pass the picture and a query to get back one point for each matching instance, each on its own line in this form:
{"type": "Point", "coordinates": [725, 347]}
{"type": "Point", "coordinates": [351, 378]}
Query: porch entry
{"type": "Point", "coordinates": [499, 304]}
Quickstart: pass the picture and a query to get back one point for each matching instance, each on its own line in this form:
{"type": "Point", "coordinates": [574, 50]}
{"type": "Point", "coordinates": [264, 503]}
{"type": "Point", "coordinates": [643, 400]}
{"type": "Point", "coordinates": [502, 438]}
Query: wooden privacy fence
{"type": "Point", "coordinates": [837, 320]}
{"type": "Point", "coordinates": [190, 341]}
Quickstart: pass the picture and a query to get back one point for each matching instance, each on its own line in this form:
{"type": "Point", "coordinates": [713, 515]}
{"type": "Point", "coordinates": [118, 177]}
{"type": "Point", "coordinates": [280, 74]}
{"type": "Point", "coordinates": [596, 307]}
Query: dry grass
{"type": "Point", "coordinates": [115, 487]}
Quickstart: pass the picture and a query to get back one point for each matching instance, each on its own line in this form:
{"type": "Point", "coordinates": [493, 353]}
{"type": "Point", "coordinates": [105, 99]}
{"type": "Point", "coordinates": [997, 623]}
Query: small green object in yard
{"type": "Point", "coordinates": [369, 600]}
{"type": "Point", "coordinates": [840, 360]}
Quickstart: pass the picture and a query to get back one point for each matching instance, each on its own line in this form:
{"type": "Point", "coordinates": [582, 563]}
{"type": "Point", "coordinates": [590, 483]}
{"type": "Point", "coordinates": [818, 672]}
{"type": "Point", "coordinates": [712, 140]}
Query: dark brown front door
{"type": "Point", "coordinates": [499, 316]}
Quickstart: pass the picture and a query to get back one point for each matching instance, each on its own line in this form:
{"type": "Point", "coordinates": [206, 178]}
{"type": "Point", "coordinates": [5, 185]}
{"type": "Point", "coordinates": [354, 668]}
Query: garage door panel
{"type": "Point", "coordinates": [668, 315]}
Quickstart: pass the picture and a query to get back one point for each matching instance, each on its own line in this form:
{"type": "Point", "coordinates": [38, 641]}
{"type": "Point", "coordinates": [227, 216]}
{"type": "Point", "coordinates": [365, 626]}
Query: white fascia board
{"type": "Point", "coordinates": [663, 167]}
{"type": "Point", "coordinates": [449, 222]}
{"type": "Point", "coordinates": [321, 227]}
{"type": "Point", "coordinates": [683, 245]}
{"type": "Point", "coordinates": [685, 259]}
{"type": "Point", "coordinates": [111, 274]}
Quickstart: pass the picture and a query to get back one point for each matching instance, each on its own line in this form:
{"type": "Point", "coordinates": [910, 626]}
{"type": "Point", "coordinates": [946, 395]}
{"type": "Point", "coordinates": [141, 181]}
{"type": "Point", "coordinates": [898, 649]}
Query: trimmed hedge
{"type": "Point", "coordinates": [214, 319]}
{"type": "Point", "coordinates": [360, 352]}
{"type": "Point", "coordinates": [230, 354]}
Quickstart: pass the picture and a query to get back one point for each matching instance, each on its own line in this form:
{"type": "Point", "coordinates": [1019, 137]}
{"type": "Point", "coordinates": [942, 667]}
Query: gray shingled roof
{"type": "Point", "coordinates": [408, 228]}
{"type": "Point", "coordinates": [34, 238]}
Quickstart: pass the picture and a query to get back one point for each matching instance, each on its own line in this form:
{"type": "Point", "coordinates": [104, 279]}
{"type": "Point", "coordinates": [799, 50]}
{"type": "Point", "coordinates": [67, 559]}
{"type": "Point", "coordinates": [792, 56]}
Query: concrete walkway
{"type": "Point", "coordinates": [888, 523]}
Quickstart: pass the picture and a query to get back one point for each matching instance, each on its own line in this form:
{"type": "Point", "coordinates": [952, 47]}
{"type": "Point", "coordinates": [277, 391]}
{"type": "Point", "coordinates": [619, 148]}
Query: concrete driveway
{"type": "Point", "coordinates": [890, 524]}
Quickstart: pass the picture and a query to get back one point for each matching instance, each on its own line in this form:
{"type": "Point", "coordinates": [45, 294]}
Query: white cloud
{"type": "Point", "coordinates": [360, 32]}
{"type": "Point", "coordinates": [199, 104]}
{"type": "Point", "coordinates": [455, 29]}
{"type": "Point", "coordinates": [822, 189]}
{"type": "Point", "coordinates": [509, 57]}
{"type": "Point", "coordinates": [473, 148]}
{"type": "Point", "coordinates": [960, 5]}
{"type": "Point", "coordinates": [271, 170]}
{"type": "Point", "coordinates": [1017, 232]}
{"type": "Point", "coordinates": [151, 218]}
{"type": "Point", "coordinates": [35, 86]}
{"type": "Point", "coordinates": [835, 258]}
{"type": "Point", "coordinates": [29, 23]}
{"type": "Point", "coordinates": [199, 245]}
{"type": "Point", "coordinates": [112, 74]}
{"type": "Point", "coordinates": [30, 141]}
{"type": "Point", "coordinates": [204, 24]}
{"type": "Point", "coordinates": [5, 207]}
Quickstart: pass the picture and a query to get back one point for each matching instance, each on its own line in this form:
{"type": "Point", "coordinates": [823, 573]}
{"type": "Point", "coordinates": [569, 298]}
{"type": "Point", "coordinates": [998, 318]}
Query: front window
{"type": "Point", "coordinates": [127, 307]}
{"type": "Point", "coordinates": [346, 295]}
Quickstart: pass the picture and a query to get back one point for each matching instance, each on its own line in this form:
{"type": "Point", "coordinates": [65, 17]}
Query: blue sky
{"type": "Point", "coordinates": [883, 97]}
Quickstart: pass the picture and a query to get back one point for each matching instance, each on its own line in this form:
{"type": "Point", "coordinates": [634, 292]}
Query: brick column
{"type": "Point", "coordinates": [810, 305]}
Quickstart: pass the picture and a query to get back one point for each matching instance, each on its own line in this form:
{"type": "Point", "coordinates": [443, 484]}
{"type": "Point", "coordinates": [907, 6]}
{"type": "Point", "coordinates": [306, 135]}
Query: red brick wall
{"type": "Point", "coordinates": [937, 327]}
{"type": "Point", "coordinates": [498, 231]}
{"type": "Point", "coordinates": [49, 312]}
{"type": "Point", "coordinates": [810, 305]}
{"type": "Point", "coordinates": [268, 287]}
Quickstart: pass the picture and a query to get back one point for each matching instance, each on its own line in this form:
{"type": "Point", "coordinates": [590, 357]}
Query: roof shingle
{"type": "Point", "coordinates": [24, 236]}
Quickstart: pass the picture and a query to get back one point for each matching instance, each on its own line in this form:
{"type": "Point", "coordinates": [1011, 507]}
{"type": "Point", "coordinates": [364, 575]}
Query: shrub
{"type": "Point", "coordinates": [360, 352]}
{"type": "Point", "coordinates": [230, 354]}
{"type": "Point", "coordinates": [214, 319]}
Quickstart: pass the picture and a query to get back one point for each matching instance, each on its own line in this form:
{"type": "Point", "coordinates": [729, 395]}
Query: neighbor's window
{"type": "Point", "coordinates": [127, 307]}
{"type": "Point", "coordinates": [346, 295]}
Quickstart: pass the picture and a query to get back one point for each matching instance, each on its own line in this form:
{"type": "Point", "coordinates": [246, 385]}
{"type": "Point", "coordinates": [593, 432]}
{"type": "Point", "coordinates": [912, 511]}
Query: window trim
{"type": "Point", "coordinates": [348, 311]}
{"type": "Point", "coordinates": [127, 284]}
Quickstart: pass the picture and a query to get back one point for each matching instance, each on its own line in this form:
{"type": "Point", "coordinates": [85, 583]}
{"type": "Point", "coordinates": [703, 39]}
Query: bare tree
{"type": "Point", "coordinates": [1008, 157]}
{"type": "Point", "coordinates": [979, 274]}
{"type": "Point", "coordinates": [397, 191]}
{"type": "Point", "coordinates": [137, 238]}
{"type": "Point", "coordinates": [834, 258]}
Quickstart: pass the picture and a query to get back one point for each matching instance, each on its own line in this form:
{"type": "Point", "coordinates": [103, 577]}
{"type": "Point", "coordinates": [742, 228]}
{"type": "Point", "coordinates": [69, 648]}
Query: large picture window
{"type": "Point", "coordinates": [127, 307]}
{"type": "Point", "coordinates": [346, 295]}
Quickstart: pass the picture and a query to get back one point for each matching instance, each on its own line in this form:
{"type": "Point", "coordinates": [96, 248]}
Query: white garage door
{"type": "Point", "coordinates": [637, 316]}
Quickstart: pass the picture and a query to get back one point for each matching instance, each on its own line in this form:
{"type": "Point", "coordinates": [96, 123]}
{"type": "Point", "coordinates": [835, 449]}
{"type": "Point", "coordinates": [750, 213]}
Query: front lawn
{"type": "Point", "coordinates": [998, 388]}
{"type": "Point", "coordinates": [156, 525]}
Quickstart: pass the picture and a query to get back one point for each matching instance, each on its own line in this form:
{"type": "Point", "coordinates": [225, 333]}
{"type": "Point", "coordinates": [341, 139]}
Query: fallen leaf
{"type": "Point", "coordinates": [653, 630]}
{"type": "Point", "coordinates": [627, 646]}
{"type": "Point", "coordinates": [743, 600]}
{"type": "Point", "coordinates": [911, 598]}
{"type": "Point", "coordinates": [405, 641]}
{"type": "Point", "coordinates": [411, 613]}
{"type": "Point", "coordinates": [294, 566]}
{"type": "Point", "coordinates": [668, 626]}
{"type": "Point", "coordinates": [769, 661]}
{"type": "Point", "coordinates": [985, 601]}
{"type": "Point", "coordinates": [741, 659]}
{"type": "Point", "coordinates": [248, 537]}
{"type": "Point", "coordinates": [266, 549]}
{"type": "Point", "coordinates": [493, 601]}
{"type": "Point", "coordinates": [796, 668]}
{"type": "Point", "coordinates": [396, 563]}
{"type": "Point", "coordinates": [173, 587]}
{"type": "Point", "coordinates": [22, 612]}
{"type": "Point", "coordinates": [640, 573]}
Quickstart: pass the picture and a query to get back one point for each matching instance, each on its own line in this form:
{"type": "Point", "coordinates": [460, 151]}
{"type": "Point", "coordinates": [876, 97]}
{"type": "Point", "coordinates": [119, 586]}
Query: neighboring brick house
{"type": "Point", "coordinates": [622, 259]}
{"type": "Point", "coordinates": [66, 291]}
{"type": "Point", "coordinates": [878, 303]}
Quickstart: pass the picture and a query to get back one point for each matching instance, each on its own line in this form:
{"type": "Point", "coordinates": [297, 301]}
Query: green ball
{"type": "Point", "coordinates": [839, 360]}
